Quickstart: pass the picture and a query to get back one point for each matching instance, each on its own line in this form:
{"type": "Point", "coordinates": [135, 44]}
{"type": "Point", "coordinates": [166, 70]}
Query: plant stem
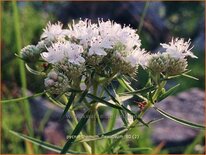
{"type": "Point", "coordinates": [159, 89]}
{"type": "Point", "coordinates": [93, 118]}
{"type": "Point", "coordinates": [26, 107]}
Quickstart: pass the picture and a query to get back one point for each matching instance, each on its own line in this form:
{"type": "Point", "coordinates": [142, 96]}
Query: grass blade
{"type": "Point", "coordinates": [41, 143]}
{"type": "Point", "coordinates": [178, 120]}
{"type": "Point", "coordinates": [76, 132]}
{"type": "Point", "coordinates": [22, 98]}
{"type": "Point", "coordinates": [71, 99]}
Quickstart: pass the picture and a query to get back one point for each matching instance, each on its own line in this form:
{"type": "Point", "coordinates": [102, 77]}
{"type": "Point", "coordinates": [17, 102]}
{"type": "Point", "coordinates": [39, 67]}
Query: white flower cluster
{"type": "Point", "coordinates": [83, 40]}
{"type": "Point", "coordinates": [174, 60]}
{"type": "Point", "coordinates": [104, 49]}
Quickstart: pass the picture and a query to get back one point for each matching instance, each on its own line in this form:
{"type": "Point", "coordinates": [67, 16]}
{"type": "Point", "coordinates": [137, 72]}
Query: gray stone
{"type": "Point", "coordinates": [187, 105]}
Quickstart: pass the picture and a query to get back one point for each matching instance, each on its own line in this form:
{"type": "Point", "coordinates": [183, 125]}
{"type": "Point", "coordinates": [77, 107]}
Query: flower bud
{"type": "Point", "coordinates": [121, 65]}
{"type": "Point", "coordinates": [167, 64]}
{"type": "Point", "coordinates": [56, 82]}
{"type": "Point", "coordinates": [158, 63]}
{"type": "Point", "coordinates": [30, 53]}
{"type": "Point", "coordinates": [72, 71]}
{"type": "Point", "coordinates": [176, 66]}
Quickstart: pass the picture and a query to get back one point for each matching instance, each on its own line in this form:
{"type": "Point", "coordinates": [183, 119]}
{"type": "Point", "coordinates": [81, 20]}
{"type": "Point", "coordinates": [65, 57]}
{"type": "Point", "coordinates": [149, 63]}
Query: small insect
{"type": "Point", "coordinates": [141, 105]}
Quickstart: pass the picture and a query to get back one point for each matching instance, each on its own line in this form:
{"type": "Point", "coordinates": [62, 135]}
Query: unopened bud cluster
{"type": "Point", "coordinates": [173, 61]}
{"type": "Point", "coordinates": [56, 82]}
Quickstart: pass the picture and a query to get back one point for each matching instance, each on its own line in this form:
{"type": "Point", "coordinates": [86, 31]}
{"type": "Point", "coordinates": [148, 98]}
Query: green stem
{"type": "Point", "coordinates": [99, 122]}
{"type": "Point", "coordinates": [93, 118]}
{"type": "Point", "coordinates": [26, 107]}
{"type": "Point", "coordinates": [159, 90]}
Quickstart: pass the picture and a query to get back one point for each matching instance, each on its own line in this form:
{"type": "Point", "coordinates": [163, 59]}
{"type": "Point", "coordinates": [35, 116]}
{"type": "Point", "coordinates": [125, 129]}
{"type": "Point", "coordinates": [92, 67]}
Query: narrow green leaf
{"type": "Point", "coordinates": [76, 132]}
{"type": "Point", "coordinates": [22, 98]}
{"type": "Point", "coordinates": [71, 99]}
{"type": "Point", "coordinates": [116, 101]}
{"type": "Point", "coordinates": [168, 93]}
{"type": "Point", "coordinates": [83, 95]}
{"type": "Point", "coordinates": [175, 76]}
{"type": "Point", "coordinates": [112, 120]}
{"type": "Point", "coordinates": [126, 86]}
{"type": "Point", "coordinates": [103, 101]}
{"type": "Point", "coordinates": [178, 120]}
{"type": "Point", "coordinates": [122, 113]}
{"type": "Point", "coordinates": [53, 100]}
{"type": "Point", "coordinates": [34, 71]}
{"type": "Point", "coordinates": [18, 56]}
{"type": "Point", "coordinates": [147, 89]}
{"type": "Point", "coordinates": [123, 116]}
{"type": "Point", "coordinates": [113, 145]}
{"type": "Point", "coordinates": [189, 76]}
{"type": "Point", "coordinates": [124, 108]}
{"type": "Point", "coordinates": [41, 143]}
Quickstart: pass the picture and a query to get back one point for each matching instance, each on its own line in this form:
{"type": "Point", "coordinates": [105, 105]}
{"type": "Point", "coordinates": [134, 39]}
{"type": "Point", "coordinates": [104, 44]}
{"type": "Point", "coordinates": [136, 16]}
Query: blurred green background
{"type": "Point", "coordinates": [162, 21]}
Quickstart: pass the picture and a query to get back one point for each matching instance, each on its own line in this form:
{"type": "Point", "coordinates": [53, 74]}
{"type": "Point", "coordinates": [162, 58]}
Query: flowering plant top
{"type": "Point", "coordinates": [81, 62]}
{"type": "Point", "coordinates": [106, 49]}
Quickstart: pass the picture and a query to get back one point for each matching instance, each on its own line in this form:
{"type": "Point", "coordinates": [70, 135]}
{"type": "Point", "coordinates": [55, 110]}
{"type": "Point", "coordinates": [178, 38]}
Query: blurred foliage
{"type": "Point", "coordinates": [182, 20]}
{"type": "Point", "coordinates": [32, 22]}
